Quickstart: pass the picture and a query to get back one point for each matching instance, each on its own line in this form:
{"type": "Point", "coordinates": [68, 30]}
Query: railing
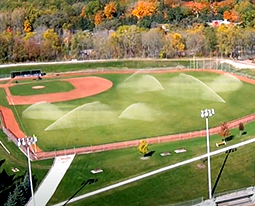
{"type": "Point", "coordinates": [235, 191]}
{"type": "Point", "coordinates": [188, 203]}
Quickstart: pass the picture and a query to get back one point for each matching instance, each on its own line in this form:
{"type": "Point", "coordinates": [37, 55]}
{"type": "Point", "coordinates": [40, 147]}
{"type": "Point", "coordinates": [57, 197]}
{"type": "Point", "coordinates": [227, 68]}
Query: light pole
{"type": "Point", "coordinates": [27, 141]}
{"type": "Point", "coordinates": [208, 113]}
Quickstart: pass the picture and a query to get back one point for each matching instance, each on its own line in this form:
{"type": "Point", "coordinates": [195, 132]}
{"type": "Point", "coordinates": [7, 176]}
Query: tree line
{"type": "Point", "coordinates": [34, 30]}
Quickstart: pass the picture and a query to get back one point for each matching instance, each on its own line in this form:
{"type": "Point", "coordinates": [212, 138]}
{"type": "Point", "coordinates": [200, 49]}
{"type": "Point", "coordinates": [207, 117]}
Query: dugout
{"type": "Point", "coordinates": [26, 73]}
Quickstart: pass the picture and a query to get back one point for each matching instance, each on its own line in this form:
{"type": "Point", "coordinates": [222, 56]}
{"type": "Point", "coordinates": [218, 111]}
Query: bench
{"type": "Point", "coordinates": [218, 144]}
{"type": "Point", "coordinates": [180, 150]}
{"type": "Point", "coordinates": [95, 171]}
{"type": "Point", "coordinates": [165, 154]}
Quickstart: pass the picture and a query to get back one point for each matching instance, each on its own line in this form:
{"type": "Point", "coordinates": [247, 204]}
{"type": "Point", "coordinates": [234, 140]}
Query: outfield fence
{"type": "Point", "coordinates": [135, 143]}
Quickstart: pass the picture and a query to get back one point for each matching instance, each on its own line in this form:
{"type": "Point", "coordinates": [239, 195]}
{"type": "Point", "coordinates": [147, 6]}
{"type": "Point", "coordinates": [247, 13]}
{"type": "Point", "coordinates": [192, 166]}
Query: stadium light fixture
{"type": "Point", "coordinates": [26, 142]}
{"type": "Point", "coordinates": [206, 114]}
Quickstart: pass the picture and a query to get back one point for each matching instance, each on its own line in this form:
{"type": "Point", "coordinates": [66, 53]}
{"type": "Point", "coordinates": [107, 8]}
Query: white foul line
{"type": "Point", "coordinates": [155, 172]}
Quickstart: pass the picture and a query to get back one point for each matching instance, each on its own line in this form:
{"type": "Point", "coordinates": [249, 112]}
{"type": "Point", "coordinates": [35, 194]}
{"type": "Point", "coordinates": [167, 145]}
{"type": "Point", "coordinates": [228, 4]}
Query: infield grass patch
{"type": "Point", "coordinates": [49, 87]}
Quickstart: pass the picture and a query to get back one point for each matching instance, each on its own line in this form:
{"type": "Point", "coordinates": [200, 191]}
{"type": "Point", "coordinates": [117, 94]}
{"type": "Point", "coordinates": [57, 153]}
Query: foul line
{"type": "Point", "coordinates": [155, 172]}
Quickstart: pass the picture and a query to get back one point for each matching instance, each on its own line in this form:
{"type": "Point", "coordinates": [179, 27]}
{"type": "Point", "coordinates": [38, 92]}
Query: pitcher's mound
{"type": "Point", "coordinates": [38, 87]}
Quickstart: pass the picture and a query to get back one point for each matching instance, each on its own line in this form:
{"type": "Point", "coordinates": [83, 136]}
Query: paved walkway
{"type": "Point", "coordinates": [128, 181]}
{"type": "Point", "coordinates": [51, 181]}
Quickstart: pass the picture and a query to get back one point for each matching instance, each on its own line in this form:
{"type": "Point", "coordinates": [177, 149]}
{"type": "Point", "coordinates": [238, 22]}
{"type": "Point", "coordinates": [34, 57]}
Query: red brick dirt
{"type": "Point", "coordinates": [84, 91]}
{"type": "Point", "coordinates": [84, 87]}
{"type": "Point", "coordinates": [10, 122]}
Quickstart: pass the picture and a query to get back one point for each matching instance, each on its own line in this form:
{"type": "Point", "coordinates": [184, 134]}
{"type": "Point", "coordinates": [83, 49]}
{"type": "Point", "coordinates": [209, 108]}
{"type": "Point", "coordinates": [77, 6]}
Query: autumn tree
{"type": "Point", "coordinates": [241, 128]}
{"type": "Point", "coordinates": [224, 130]}
{"type": "Point", "coordinates": [129, 39]}
{"type": "Point", "coordinates": [19, 53]}
{"type": "Point", "coordinates": [144, 8]}
{"type": "Point", "coordinates": [98, 18]}
{"type": "Point", "coordinates": [110, 10]}
{"type": "Point", "coordinates": [52, 41]}
{"type": "Point", "coordinates": [83, 12]}
{"type": "Point", "coordinates": [231, 15]}
{"type": "Point", "coordinates": [27, 26]}
{"type": "Point", "coordinates": [33, 49]}
{"type": "Point", "coordinates": [178, 44]}
{"type": "Point", "coordinates": [143, 147]}
{"type": "Point", "coordinates": [228, 38]}
{"type": "Point", "coordinates": [197, 7]}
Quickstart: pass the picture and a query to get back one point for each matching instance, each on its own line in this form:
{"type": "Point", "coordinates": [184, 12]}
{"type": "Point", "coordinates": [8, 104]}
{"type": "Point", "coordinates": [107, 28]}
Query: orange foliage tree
{"type": "Point", "coordinates": [224, 130]}
{"type": "Point", "coordinates": [27, 26]}
{"type": "Point", "coordinates": [231, 15]}
{"type": "Point", "coordinates": [144, 8]}
{"type": "Point", "coordinates": [110, 9]}
{"type": "Point", "coordinates": [98, 18]}
{"type": "Point", "coordinates": [83, 12]}
{"type": "Point", "coordinates": [197, 7]}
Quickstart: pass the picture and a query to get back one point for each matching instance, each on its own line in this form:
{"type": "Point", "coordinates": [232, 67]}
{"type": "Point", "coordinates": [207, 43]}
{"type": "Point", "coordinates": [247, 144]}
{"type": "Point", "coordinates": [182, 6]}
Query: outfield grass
{"type": "Point", "coordinates": [112, 64]}
{"type": "Point", "coordinates": [166, 112]}
{"type": "Point", "coordinates": [180, 184]}
{"type": "Point", "coordinates": [50, 87]}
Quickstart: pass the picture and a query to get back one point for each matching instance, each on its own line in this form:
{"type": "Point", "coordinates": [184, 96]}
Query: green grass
{"type": "Point", "coordinates": [122, 164]}
{"type": "Point", "coordinates": [16, 159]}
{"type": "Point", "coordinates": [181, 184]}
{"type": "Point", "coordinates": [3, 99]}
{"type": "Point", "coordinates": [99, 65]}
{"type": "Point", "coordinates": [170, 114]}
{"type": "Point", "coordinates": [50, 87]}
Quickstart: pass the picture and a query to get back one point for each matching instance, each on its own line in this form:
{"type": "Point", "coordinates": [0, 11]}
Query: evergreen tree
{"type": "Point", "coordinates": [21, 193]}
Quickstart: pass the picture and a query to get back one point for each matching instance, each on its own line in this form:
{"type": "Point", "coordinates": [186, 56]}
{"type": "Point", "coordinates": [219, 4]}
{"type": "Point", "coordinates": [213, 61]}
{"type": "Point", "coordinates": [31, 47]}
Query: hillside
{"type": "Point", "coordinates": [55, 29]}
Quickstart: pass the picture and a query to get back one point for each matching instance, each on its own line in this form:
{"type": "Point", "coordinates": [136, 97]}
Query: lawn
{"type": "Point", "coordinates": [138, 108]}
{"type": "Point", "coordinates": [16, 159]}
{"type": "Point", "coordinates": [184, 183]}
{"type": "Point", "coordinates": [49, 87]}
{"type": "Point", "coordinates": [112, 64]}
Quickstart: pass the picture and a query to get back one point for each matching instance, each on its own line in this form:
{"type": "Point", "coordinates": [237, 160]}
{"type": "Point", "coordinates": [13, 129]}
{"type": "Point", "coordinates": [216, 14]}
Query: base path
{"type": "Point", "coordinates": [84, 87]}
{"type": "Point", "coordinates": [10, 122]}
{"type": "Point", "coordinates": [51, 181]}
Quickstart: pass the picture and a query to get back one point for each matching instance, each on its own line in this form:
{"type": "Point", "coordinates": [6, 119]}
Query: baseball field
{"type": "Point", "coordinates": [94, 108]}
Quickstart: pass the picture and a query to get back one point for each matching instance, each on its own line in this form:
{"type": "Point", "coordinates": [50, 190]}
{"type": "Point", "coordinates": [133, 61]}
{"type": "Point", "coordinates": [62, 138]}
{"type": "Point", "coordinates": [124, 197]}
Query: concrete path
{"type": "Point", "coordinates": [137, 178]}
{"type": "Point", "coordinates": [51, 181]}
